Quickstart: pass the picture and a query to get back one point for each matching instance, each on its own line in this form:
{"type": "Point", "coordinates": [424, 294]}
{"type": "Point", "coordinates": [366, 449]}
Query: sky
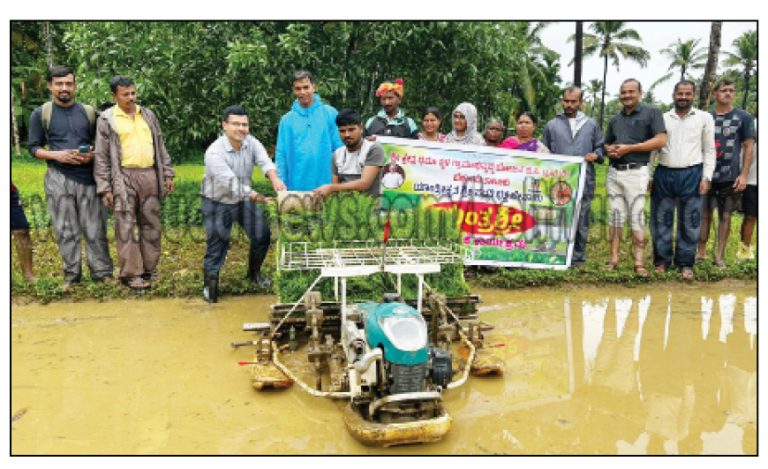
{"type": "Point", "coordinates": [655, 36]}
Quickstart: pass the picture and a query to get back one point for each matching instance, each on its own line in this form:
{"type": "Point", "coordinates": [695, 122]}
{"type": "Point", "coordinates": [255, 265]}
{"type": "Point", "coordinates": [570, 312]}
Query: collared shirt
{"type": "Point", "coordinates": [640, 125]}
{"type": "Point", "coordinates": [228, 172]}
{"type": "Point", "coordinates": [136, 146]}
{"type": "Point", "coordinates": [690, 141]}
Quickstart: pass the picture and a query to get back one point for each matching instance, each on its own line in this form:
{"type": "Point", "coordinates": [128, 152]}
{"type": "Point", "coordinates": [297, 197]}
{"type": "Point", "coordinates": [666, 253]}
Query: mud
{"type": "Point", "coordinates": [665, 370]}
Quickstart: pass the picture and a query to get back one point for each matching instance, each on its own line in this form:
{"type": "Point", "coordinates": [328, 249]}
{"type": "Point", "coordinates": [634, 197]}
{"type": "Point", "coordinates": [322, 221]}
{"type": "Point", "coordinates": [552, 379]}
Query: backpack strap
{"type": "Point", "coordinates": [45, 117]}
{"type": "Point", "coordinates": [47, 111]}
{"type": "Point", "coordinates": [90, 112]}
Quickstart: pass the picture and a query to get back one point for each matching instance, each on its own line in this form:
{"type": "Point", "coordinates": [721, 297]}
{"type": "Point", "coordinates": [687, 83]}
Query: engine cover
{"type": "Point", "coordinates": [399, 330]}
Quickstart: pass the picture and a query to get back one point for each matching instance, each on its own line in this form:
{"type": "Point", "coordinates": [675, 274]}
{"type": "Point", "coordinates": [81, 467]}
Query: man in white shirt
{"type": "Point", "coordinates": [683, 176]}
{"type": "Point", "coordinates": [227, 197]}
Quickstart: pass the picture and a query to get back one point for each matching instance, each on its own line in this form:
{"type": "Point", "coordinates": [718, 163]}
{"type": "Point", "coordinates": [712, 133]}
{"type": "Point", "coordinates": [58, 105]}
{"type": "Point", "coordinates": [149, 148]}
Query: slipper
{"type": "Point", "coordinates": [136, 283]}
{"type": "Point", "coordinates": [687, 273]}
{"type": "Point", "coordinates": [641, 270]}
{"type": "Point", "coordinates": [720, 264]}
{"type": "Point", "coordinates": [699, 260]}
{"type": "Point", "coordinates": [610, 265]}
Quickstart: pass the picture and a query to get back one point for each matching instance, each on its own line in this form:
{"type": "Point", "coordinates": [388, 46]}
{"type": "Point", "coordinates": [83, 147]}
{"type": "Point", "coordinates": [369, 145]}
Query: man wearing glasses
{"type": "Point", "coordinates": [228, 197]}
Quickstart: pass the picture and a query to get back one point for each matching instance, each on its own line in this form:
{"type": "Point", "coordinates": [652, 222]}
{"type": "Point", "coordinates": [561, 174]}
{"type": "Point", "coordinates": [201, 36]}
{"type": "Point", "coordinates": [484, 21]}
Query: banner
{"type": "Point", "coordinates": [516, 208]}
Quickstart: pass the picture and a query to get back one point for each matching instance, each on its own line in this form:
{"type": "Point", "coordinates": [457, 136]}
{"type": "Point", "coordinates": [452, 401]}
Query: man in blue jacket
{"type": "Point", "coordinates": [306, 138]}
{"type": "Point", "coordinates": [574, 133]}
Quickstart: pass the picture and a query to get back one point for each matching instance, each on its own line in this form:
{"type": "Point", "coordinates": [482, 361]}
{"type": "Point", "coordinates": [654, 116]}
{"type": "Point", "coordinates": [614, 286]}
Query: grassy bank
{"type": "Point", "coordinates": [184, 246]}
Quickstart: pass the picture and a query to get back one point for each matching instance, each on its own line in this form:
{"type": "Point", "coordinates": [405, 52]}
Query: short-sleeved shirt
{"type": "Point", "coordinates": [731, 130]}
{"type": "Point", "coordinates": [348, 166]}
{"type": "Point", "coordinates": [642, 124]}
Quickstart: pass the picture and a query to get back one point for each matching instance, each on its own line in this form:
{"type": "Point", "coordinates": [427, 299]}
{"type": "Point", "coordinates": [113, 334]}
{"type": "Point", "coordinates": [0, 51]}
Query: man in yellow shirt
{"type": "Point", "coordinates": [133, 174]}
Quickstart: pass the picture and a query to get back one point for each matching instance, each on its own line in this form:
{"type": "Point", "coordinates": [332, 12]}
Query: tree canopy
{"type": "Point", "coordinates": [188, 71]}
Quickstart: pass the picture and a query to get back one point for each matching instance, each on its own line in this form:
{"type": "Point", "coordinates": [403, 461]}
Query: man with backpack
{"type": "Point", "coordinates": [61, 132]}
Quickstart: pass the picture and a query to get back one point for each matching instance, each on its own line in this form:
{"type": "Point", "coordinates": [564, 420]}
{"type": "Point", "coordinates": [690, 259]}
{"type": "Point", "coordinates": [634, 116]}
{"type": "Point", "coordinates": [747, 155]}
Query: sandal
{"type": "Point", "coordinates": [720, 264]}
{"type": "Point", "coordinates": [641, 270]}
{"type": "Point", "coordinates": [136, 283]}
{"type": "Point", "coordinates": [610, 265]}
{"type": "Point", "coordinates": [687, 273]}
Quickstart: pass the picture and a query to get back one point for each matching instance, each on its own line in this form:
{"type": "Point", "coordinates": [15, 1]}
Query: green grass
{"type": "Point", "coordinates": [184, 245]}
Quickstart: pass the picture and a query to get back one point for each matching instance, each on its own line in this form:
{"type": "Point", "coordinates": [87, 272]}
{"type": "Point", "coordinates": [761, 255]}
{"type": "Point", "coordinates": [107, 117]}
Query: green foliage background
{"type": "Point", "coordinates": [188, 71]}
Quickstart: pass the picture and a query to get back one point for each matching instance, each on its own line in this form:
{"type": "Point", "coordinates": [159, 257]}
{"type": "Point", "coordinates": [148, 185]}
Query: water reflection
{"type": "Point", "coordinates": [679, 393]}
{"type": "Point", "coordinates": [589, 371]}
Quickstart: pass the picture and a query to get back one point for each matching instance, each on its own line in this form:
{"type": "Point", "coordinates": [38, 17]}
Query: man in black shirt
{"type": "Point", "coordinates": [61, 132]}
{"type": "Point", "coordinates": [631, 137]}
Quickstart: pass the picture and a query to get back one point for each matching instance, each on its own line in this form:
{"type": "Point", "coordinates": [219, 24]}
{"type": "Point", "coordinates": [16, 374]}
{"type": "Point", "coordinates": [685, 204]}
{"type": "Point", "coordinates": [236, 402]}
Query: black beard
{"type": "Point", "coordinates": [66, 99]}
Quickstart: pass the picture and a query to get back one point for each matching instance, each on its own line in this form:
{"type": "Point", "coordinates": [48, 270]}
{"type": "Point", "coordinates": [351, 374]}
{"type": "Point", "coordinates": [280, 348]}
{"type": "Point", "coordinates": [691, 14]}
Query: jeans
{"type": "Point", "coordinates": [676, 189]}
{"type": "Point", "coordinates": [218, 219]}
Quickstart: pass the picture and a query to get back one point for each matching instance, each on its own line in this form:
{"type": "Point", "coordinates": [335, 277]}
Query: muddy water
{"type": "Point", "coordinates": [668, 370]}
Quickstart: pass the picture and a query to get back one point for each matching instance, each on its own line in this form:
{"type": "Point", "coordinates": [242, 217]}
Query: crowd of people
{"type": "Point", "coordinates": [691, 161]}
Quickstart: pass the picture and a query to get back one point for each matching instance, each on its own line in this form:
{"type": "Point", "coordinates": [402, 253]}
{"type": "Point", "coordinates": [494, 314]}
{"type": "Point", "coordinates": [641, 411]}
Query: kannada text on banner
{"type": "Point", "coordinates": [515, 208]}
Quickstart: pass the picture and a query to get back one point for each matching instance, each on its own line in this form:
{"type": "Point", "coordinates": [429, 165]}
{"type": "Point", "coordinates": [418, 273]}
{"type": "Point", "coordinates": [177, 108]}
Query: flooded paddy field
{"type": "Point", "coordinates": [668, 369]}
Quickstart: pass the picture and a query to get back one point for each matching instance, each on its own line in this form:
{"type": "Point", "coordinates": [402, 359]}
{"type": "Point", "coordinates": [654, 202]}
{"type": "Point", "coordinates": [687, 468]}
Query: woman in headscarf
{"type": "Point", "coordinates": [526, 126]}
{"type": "Point", "coordinates": [465, 126]}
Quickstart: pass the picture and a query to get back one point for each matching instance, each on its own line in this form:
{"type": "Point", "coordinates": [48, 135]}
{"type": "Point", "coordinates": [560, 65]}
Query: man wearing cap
{"type": "Point", "coordinates": [391, 121]}
{"type": "Point", "coordinates": [356, 166]}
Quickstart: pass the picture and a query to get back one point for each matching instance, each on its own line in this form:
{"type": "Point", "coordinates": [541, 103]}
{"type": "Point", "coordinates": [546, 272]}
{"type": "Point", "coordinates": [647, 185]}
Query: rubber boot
{"type": "Point", "coordinates": [211, 287]}
{"type": "Point", "coordinates": [256, 257]}
{"type": "Point", "coordinates": [24, 251]}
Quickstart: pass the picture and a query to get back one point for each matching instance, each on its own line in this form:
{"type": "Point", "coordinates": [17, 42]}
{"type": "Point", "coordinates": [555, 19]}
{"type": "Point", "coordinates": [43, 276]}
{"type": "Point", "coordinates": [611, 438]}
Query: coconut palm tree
{"type": "Point", "coordinates": [578, 53]}
{"type": "Point", "coordinates": [534, 63]}
{"type": "Point", "coordinates": [684, 55]}
{"type": "Point", "coordinates": [745, 56]}
{"type": "Point", "coordinates": [608, 41]}
{"type": "Point", "coordinates": [593, 89]}
{"type": "Point", "coordinates": [711, 68]}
